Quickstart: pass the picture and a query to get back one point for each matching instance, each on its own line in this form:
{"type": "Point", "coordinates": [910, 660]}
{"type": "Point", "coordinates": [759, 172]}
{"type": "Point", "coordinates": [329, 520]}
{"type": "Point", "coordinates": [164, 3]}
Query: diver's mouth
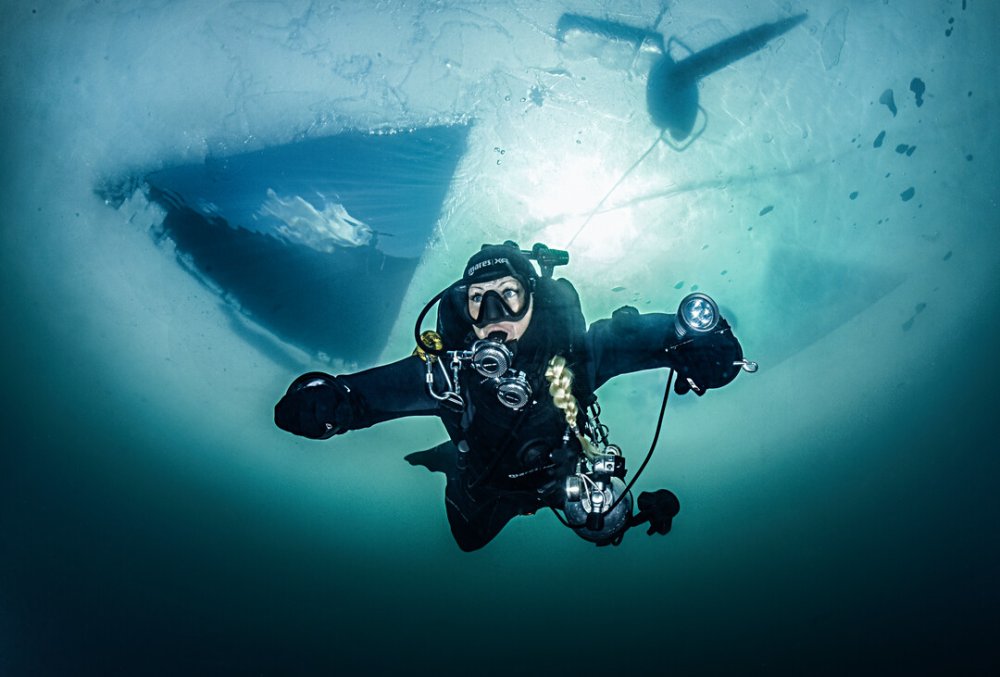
{"type": "Point", "coordinates": [509, 330]}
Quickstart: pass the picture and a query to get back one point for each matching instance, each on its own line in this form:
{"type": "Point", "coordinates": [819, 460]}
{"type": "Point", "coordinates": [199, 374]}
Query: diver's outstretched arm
{"type": "Point", "coordinates": [319, 406]}
{"type": "Point", "coordinates": [632, 341]}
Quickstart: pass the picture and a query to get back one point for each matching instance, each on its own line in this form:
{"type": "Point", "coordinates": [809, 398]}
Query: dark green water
{"type": "Point", "coordinates": [117, 563]}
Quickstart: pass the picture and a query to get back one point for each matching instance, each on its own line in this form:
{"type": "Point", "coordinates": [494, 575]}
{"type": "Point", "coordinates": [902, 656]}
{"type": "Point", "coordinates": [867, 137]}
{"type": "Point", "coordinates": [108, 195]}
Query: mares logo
{"type": "Point", "coordinates": [484, 264]}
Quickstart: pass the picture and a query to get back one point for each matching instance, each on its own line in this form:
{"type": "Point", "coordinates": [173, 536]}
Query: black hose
{"type": "Point", "coordinates": [420, 319]}
{"type": "Point", "coordinates": [652, 447]}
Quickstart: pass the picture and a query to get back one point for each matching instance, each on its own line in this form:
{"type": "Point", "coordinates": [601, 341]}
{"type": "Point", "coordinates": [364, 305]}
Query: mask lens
{"type": "Point", "coordinates": [506, 302]}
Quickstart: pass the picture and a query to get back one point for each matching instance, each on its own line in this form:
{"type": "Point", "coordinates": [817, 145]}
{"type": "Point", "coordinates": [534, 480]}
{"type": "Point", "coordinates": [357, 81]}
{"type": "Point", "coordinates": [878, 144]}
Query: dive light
{"type": "Point", "coordinates": [697, 314]}
{"type": "Point", "coordinates": [546, 257]}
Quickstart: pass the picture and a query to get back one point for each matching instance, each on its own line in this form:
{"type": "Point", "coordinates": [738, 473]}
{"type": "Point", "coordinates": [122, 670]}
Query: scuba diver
{"type": "Point", "coordinates": [512, 371]}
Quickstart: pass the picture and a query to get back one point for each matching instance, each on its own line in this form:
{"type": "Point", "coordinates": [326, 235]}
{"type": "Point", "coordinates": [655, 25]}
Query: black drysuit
{"type": "Point", "coordinates": [501, 462]}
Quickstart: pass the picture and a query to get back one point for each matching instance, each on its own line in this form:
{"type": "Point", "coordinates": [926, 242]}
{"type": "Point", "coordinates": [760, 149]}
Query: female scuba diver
{"type": "Point", "coordinates": [511, 372]}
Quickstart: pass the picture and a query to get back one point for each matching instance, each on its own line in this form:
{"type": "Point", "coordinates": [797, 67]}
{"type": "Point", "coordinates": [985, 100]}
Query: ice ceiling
{"type": "Point", "coordinates": [837, 196]}
{"type": "Point", "coordinates": [804, 167]}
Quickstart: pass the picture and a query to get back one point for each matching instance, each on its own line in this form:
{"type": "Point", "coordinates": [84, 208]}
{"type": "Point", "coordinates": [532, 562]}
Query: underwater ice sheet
{"type": "Point", "coordinates": [316, 241]}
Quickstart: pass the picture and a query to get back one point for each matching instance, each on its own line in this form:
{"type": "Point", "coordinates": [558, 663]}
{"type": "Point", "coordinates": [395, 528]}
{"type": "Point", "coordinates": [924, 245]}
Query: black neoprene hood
{"type": "Point", "coordinates": [499, 260]}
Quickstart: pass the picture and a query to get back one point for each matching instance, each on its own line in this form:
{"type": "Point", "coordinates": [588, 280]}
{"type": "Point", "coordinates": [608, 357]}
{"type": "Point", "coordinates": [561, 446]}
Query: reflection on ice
{"type": "Point", "coordinates": [321, 229]}
{"type": "Point", "coordinates": [672, 85]}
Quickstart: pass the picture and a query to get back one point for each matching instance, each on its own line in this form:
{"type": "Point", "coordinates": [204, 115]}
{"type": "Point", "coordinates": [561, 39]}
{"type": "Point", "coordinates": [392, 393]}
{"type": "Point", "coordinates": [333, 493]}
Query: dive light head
{"type": "Point", "coordinates": [697, 314]}
{"type": "Point", "coordinates": [548, 258]}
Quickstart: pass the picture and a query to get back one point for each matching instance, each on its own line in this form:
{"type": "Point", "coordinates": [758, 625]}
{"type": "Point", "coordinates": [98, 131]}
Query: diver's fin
{"type": "Point", "coordinates": [437, 459]}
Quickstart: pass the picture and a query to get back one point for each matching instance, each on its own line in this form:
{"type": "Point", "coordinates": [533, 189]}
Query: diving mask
{"type": "Point", "coordinates": [509, 302]}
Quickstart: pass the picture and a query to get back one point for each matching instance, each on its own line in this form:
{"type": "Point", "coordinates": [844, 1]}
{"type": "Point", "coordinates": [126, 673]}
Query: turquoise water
{"type": "Point", "coordinates": [838, 510]}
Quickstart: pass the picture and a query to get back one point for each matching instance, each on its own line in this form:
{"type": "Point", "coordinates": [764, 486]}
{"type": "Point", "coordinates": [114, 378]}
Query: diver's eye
{"type": "Point", "coordinates": [476, 298]}
{"type": "Point", "coordinates": [511, 293]}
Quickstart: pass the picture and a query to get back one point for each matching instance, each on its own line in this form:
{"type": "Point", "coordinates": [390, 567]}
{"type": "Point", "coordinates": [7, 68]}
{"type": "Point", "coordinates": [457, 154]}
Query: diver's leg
{"type": "Point", "coordinates": [476, 517]}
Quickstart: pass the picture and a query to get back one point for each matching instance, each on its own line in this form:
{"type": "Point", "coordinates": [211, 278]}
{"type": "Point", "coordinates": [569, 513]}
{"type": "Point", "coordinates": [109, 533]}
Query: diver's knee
{"type": "Point", "coordinates": [469, 545]}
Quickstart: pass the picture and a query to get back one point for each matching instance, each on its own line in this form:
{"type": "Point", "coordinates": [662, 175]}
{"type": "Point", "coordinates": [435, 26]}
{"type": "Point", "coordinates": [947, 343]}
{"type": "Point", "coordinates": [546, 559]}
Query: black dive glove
{"type": "Point", "coordinates": [314, 406]}
{"type": "Point", "coordinates": [708, 361]}
{"type": "Point", "coordinates": [659, 508]}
